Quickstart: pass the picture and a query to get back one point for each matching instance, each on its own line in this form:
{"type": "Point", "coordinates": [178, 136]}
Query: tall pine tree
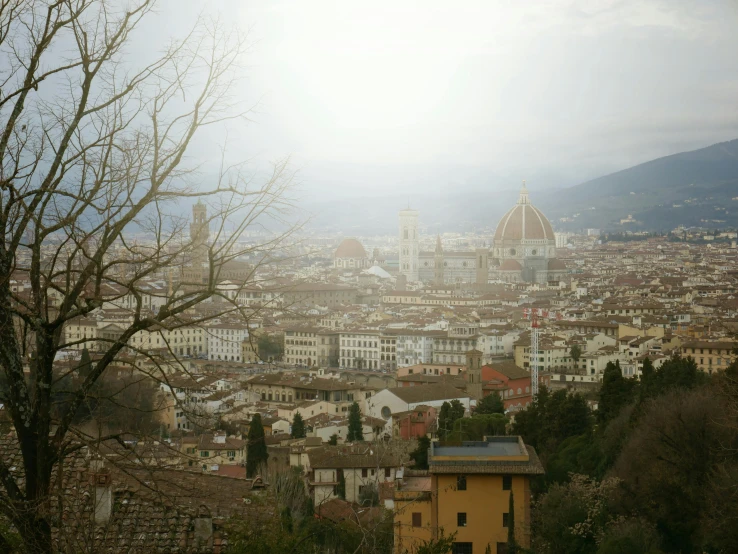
{"type": "Point", "coordinates": [256, 451]}
{"type": "Point", "coordinates": [355, 430]}
{"type": "Point", "coordinates": [615, 393]}
{"type": "Point", "coordinates": [420, 454]}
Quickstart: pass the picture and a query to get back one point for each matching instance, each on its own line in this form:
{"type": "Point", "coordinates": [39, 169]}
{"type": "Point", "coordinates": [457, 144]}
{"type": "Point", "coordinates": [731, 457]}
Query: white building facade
{"type": "Point", "coordinates": [415, 348]}
{"type": "Point", "coordinates": [225, 339]}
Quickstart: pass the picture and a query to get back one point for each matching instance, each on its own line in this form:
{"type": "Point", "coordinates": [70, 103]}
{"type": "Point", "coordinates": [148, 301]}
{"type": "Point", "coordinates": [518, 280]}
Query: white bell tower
{"type": "Point", "coordinates": [409, 244]}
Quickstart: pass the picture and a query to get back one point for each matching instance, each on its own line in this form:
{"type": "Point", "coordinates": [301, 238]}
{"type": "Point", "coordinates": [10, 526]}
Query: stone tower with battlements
{"type": "Point", "coordinates": [199, 232]}
{"type": "Point", "coordinates": [474, 374]}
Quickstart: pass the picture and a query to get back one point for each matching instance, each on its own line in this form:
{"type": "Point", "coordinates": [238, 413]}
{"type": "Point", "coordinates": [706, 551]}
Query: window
{"type": "Point", "coordinates": [363, 472]}
{"type": "Point", "coordinates": [204, 454]}
{"type": "Point", "coordinates": [462, 548]}
{"type": "Point", "coordinates": [506, 482]}
{"type": "Point", "coordinates": [461, 483]}
{"type": "Point", "coordinates": [501, 548]}
{"type": "Point", "coordinates": [387, 472]}
{"type": "Point", "coordinates": [461, 519]}
{"type": "Point", "coordinates": [417, 519]}
{"type": "Point", "coordinates": [505, 519]}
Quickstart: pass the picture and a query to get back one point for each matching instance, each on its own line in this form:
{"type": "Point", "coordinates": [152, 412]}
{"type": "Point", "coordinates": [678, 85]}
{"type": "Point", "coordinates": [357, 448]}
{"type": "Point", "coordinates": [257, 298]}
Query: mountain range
{"type": "Point", "coordinates": [696, 188]}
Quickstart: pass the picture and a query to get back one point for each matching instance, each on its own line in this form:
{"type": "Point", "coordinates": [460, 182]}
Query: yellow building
{"type": "Point", "coordinates": [213, 450]}
{"type": "Point", "coordinates": [413, 508]}
{"type": "Point", "coordinates": [249, 354]}
{"type": "Point", "coordinates": [711, 355]}
{"type": "Point", "coordinates": [468, 493]}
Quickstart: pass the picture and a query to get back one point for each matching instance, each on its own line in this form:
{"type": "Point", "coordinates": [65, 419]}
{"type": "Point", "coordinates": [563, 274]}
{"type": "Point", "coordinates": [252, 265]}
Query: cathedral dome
{"type": "Point", "coordinates": [350, 248]}
{"type": "Point", "coordinates": [524, 222]}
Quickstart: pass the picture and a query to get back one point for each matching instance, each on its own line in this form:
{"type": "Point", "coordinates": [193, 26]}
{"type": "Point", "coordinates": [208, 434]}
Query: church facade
{"type": "Point", "coordinates": [447, 268]}
{"type": "Point", "coordinates": [523, 250]}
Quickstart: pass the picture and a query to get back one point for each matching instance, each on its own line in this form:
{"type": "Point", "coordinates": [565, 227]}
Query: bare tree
{"type": "Point", "coordinates": [93, 152]}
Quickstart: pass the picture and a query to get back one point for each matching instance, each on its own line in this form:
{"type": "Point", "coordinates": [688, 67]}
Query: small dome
{"type": "Point", "coordinates": [556, 265]}
{"type": "Point", "coordinates": [524, 221]}
{"type": "Point", "coordinates": [350, 248]}
{"type": "Point", "coordinates": [511, 265]}
{"type": "Point", "coordinates": [378, 271]}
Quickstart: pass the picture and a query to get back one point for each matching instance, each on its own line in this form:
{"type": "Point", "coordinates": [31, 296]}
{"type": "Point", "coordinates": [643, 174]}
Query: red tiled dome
{"type": "Point", "coordinates": [524, 221]}
{"type": "Point", "coordinates": [350, 248]}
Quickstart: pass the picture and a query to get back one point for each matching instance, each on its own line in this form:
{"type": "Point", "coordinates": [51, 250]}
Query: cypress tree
{"type": "Point", "coordinates": [512, 545]}
{"type": "Point", "coordinates": [256, 451]}
{"type": "Point", "coordinates": [444, 420]}
{"type": "Point", "coordinates": [615, 392]}
{"type": "Point", "coordinates": [341, 487]}
{"type": "Point", "coordinates": [298, 427]}
{"type": "Point", "coordinates": [85, 364]}
{"type": "Point", "coordinates": [355, 430]}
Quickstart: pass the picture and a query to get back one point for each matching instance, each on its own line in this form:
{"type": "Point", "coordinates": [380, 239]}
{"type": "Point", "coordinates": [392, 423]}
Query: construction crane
{"type": "Point", "coordinates": [532, 314]}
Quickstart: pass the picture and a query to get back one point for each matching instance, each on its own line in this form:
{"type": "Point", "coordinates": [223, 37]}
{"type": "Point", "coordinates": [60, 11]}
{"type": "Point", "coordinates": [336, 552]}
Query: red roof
{"type": "Point", "coordinates": [556, 264]}
{"type": "Point", "coordinates": [237, 472]}
{"type": "Point", "coordinates": [350, 248]}
{"type": "Point", "coordinates": [524, 221]}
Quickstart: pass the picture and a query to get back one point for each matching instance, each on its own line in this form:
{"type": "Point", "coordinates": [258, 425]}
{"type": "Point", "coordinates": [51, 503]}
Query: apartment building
{"type": "Point", "coordinates": [211, 450]}
{"type": "Point", "coordinates": [225, 340]}
{"type": "Point", "coordinates": [467, 492]}
{"type": "Point", "coordinates": [711, 356]}
{"type": "Point", "coordinates": [360, 466]}
{"type": "Point", "coordinates": [453, 349]}
{"type": "Point", "coordinates": [359, 349]}
{"type": "Point", "coordinates": [416, 347]}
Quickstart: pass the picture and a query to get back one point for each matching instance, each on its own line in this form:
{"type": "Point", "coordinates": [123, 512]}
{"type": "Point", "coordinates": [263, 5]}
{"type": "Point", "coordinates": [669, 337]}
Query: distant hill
{"type": "Point", "coordinates": [691, 188]}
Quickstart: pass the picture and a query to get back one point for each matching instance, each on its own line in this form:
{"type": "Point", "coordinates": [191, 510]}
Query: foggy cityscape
{"type": "Point", "coordinates": [392, 278]}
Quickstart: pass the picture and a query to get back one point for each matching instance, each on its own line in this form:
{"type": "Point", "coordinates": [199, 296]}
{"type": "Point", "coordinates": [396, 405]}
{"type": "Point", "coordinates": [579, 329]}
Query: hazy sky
{"type": "Point", "coordinates": [387, 93]}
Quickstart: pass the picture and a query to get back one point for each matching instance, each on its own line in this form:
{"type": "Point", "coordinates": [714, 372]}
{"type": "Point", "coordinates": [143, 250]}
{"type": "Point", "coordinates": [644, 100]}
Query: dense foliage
{"type": "Point", "coordinates": [449, 413]}
{"type": "Point", "coordinates": [420, 454]}
{"type": "Point", "coordinates": [654, 470]}
{"type": "Point", "coordinates": [490, 404]}
{"type": "Point", "coordinates": [477, 427]}
{"type": "Point", "coordinates": [270, 348]}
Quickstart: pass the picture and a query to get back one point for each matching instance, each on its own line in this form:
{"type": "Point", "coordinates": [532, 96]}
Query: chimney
{"type": "Point", "coordinates": [203, 524]}
{"type": "Point", "coordinates": [101, 479]}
